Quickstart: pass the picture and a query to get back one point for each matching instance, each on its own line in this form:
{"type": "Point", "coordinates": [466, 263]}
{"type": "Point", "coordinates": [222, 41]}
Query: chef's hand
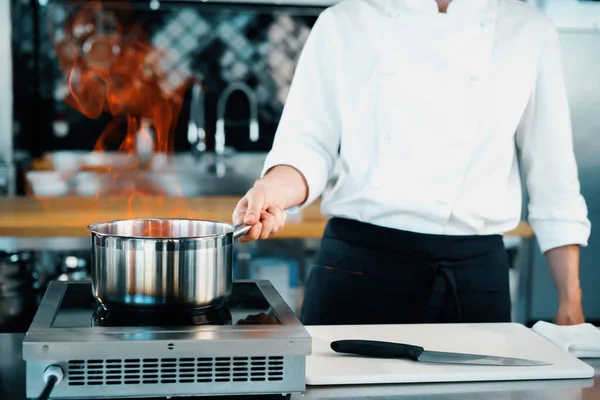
{"type": "Point", "coordinates": [569, 313]}
{"type": "Point", "coordinates": [257, 209]}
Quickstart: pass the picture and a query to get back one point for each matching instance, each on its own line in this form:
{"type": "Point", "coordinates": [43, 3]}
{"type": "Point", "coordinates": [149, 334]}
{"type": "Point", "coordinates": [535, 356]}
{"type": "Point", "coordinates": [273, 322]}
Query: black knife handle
{"type": "Point", "coordinates": [372, 348]}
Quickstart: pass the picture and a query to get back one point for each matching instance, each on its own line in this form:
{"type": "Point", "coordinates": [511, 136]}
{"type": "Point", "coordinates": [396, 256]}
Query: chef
{"type": "Point", "coordinates": [405, 117]}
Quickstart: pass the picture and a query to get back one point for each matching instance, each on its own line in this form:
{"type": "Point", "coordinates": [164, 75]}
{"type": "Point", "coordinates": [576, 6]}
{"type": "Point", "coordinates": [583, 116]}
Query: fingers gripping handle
{"type": "Point", "coordinates": [240, 230]}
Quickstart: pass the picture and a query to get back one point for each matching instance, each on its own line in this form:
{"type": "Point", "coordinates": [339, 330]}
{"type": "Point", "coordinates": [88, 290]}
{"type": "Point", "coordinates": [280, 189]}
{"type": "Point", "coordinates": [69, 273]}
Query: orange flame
{"type": "Point", "coordinates": [112, 68]}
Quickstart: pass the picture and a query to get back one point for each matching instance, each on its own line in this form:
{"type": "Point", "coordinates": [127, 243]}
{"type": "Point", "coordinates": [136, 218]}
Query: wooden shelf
{"type": "Point", "coordinates": [28, 217]}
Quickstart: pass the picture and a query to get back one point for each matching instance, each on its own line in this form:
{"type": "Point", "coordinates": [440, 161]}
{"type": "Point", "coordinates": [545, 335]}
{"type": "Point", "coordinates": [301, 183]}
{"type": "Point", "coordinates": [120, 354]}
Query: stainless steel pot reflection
{"type": "Point", "coordinates": [158, 264]}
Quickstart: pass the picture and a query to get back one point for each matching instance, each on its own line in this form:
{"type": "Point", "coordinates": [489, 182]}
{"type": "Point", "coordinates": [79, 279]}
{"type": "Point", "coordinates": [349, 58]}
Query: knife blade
{"type": "Point", "coordinates": [373, 348]}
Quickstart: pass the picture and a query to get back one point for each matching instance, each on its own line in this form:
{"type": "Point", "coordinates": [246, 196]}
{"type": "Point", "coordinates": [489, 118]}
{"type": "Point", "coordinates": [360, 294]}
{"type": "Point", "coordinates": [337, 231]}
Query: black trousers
{"type": "Point", "coordinates": [366, 274]}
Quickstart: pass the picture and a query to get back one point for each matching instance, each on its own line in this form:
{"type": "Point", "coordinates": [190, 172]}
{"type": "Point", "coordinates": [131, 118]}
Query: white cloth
{"type": "Point", "coordinates": [426, 110]}
{"type": "Point", "coordinates": [582, 341]}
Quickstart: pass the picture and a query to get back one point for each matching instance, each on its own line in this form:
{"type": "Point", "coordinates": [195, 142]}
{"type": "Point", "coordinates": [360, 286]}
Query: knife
{"type": "Point", "coordinates": [372, 348]}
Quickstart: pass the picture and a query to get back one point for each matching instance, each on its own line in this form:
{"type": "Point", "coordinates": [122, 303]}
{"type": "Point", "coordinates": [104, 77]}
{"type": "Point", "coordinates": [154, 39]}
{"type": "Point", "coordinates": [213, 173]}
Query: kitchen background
{"type": "Point", "coordinates": [229, 65]}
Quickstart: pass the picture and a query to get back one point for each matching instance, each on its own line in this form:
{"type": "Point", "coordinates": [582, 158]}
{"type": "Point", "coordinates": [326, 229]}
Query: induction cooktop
{"type": "Point", "coordinates": [254, 344]}
{"type": "Point", "coordinates": [79, 309]}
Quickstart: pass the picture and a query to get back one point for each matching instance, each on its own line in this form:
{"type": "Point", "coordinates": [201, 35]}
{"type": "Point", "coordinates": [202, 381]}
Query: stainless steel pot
{"type": "Point", "coordinates": [162, 264]}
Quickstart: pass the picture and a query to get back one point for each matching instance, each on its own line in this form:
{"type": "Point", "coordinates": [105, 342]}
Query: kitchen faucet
{"type": "Point", "coordinates": [220, 132]}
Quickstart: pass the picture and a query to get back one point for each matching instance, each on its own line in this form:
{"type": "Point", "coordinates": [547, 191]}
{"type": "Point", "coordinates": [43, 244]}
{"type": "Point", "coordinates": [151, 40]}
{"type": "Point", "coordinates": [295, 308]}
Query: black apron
{"type": "Point", "coordinates": [366, 274]}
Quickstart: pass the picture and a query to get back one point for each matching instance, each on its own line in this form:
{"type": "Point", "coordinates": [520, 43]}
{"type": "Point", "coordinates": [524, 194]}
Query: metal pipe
{"type": "Point", "coordinates": [6, 95]}
{"type": "Point", "coordinates": [7, 183]}
{"type": "Point", "coordinates": [252, 101]}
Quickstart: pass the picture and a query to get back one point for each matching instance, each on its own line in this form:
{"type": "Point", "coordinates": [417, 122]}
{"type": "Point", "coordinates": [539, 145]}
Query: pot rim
{"type": "Point", "coordinates": [93, 231]}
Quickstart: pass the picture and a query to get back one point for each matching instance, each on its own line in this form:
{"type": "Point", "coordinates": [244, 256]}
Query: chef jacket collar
{"type": "Point", "coordinates": [396, 7]}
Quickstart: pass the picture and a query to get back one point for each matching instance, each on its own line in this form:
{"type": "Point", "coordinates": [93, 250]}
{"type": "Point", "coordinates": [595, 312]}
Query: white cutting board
{"type": "Point", "coordinates": [325, 367]}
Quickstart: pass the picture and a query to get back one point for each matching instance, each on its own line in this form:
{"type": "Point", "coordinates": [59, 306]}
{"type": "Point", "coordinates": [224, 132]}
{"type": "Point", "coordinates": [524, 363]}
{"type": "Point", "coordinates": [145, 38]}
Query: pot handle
{"type": "Point", "coordinates": [241, 230]}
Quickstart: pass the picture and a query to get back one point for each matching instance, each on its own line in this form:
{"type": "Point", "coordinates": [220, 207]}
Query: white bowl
{"type": "Point", "coordinates": [47, 183]}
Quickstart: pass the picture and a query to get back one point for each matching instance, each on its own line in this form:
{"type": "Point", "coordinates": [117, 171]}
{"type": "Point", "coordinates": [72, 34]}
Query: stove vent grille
{"type": "Point", "coordinates": [149, 371]}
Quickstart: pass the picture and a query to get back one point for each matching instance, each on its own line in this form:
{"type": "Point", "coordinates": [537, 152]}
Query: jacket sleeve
{"type": "Point", "coordinates": [308, 135]}
{"type": "Point", "coordinates": [557, 211]}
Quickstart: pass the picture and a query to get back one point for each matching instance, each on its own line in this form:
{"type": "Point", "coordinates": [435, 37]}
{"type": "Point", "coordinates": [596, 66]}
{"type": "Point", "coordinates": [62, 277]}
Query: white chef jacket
{"type": "Point", "coordinates": [423, 112]}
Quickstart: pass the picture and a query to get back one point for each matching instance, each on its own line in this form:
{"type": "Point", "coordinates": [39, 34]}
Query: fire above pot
{"type": "Point", "coordinates": [110, 66]}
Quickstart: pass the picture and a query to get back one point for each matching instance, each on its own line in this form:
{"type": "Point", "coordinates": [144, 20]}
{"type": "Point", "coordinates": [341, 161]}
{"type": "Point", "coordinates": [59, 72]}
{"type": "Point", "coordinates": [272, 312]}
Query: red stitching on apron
{"type": "Point", "coordinates": [343, 270]}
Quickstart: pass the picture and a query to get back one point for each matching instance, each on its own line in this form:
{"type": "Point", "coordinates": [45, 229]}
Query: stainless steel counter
{"type": "Point", "coordinates": [12, 385]}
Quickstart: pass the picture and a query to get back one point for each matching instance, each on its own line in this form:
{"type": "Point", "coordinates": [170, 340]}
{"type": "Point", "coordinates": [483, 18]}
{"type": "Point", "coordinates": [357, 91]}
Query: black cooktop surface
{"type": "Point", "coordinates": [79, 309]}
